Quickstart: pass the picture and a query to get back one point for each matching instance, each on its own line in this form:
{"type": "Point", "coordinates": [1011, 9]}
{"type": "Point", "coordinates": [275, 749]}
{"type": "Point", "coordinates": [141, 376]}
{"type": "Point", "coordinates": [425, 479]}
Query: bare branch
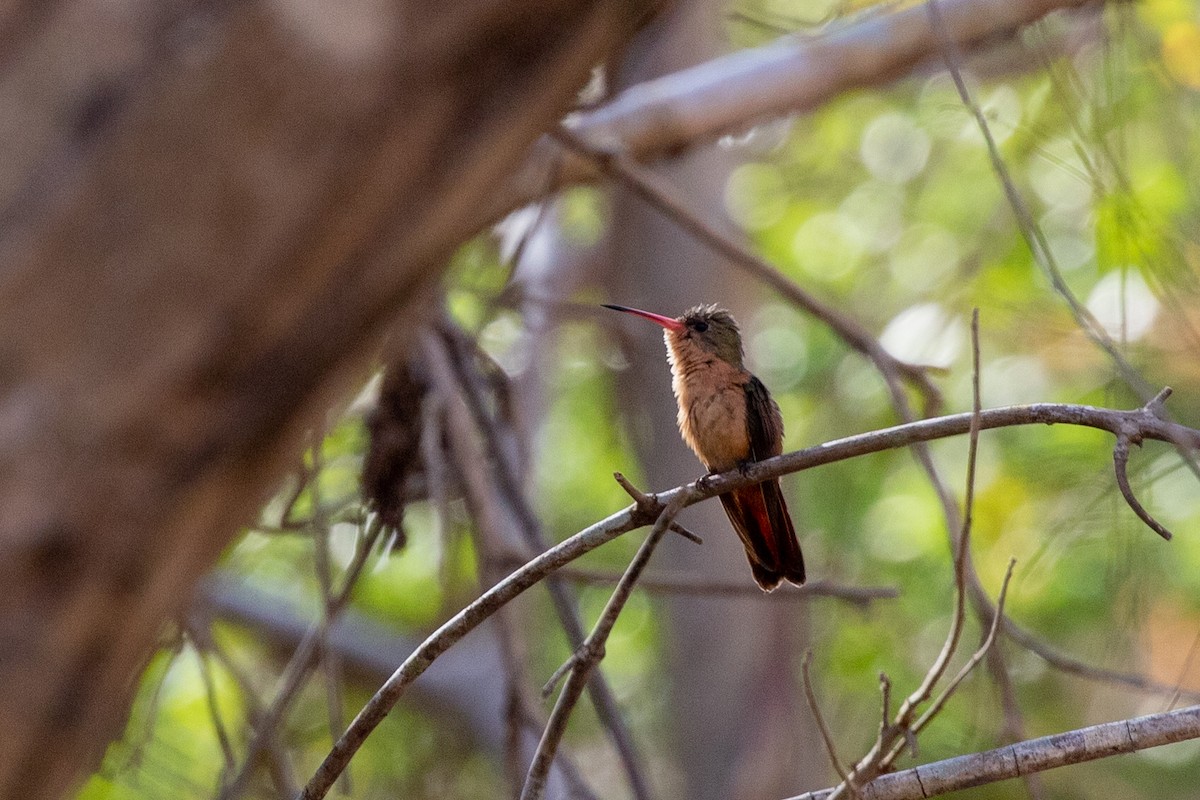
{"type": "Point", "coordinates": [659, 193]}
{"type": "Point", "coordinates": [639, 497]}
{"type": "Point", "coordinates": [1148, 426]}
{"type": "Point", "coordinates": [647, 501]}
{"type": "Point", "coordinates": [1034, 755]}
{"type": "Point", "coordinates": [791, 75]}
{"type": "Point", "coordinates": [826, 736]}
{"type": "Point", "coordinates": [586, 658]}
{"type": "Point", "coordinates": [300, 666]}
{"type": "Point", "coordinates": [467, 355]}
{"type": "Point", "coordinates": [665, 583]}
{"type": "Point", "coordinates": [976, 657]}
{"type": "Point", "coordinates": [1120, 465]}
{"type": "Point", "coordinates": [1073, 666]}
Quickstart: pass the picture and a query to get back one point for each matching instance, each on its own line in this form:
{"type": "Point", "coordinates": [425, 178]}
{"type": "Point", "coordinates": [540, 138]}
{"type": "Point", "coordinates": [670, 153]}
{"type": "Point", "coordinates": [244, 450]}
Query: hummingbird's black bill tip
{"type": "Point", "coordinates": [658, 319]}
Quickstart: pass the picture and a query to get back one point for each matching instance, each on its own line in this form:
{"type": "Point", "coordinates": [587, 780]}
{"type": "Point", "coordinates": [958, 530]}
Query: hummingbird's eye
{"type": "Point", "coordinates": [699, 327]}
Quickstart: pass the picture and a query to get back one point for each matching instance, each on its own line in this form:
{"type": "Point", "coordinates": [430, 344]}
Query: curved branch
{"type": "Point", "coordinates": [1147, 425]}
{"type": "Point", "coordinates": [1120, 465]}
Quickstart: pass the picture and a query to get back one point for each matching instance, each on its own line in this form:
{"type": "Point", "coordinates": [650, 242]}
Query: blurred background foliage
{"type": "Point", "coordinates": [883, 203]}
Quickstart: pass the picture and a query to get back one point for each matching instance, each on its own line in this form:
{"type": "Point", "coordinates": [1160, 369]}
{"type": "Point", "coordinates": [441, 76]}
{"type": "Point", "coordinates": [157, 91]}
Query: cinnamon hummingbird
{"type": "Point", "coordinates": [729, 420]}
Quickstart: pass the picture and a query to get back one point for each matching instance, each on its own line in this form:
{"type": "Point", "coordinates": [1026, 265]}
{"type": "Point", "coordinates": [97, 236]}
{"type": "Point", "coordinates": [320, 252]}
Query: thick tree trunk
{"type": "Point", "coordinates": [209, 213]}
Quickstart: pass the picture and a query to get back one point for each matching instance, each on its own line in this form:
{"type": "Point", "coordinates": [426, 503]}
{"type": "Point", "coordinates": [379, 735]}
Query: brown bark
{"type": "Point", "coordinates": [209, 213]}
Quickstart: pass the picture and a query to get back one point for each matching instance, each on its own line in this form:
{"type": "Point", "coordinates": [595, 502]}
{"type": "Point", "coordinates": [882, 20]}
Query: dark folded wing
{"type": "Point", "coordinates": [775, 534]}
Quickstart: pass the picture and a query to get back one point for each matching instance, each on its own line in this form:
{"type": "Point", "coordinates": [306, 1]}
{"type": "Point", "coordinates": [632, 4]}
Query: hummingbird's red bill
{"type": "Point", "coordinates": [669, 323]}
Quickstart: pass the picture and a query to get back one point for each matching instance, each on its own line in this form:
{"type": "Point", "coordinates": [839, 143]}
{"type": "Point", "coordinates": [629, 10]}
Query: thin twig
{"type": "Point", "coordinates": [643, 499]}
{"type": "Point", "coordinates": [466, 352]}
{"type": "Point", "coordinates": [1031, 756]}
{"type": "Point", "coordinates": [1149, 426]}
{"type": "Point", "coordinates": [300, 666]}
{"type": "Point", "coordinates": [681, 584]}
{"type": "Point", "coordinates": [433, 459]}
{"type": "Point", "coordinates": [1120, 466]}
{"type": "Point", "coordinates": [1184, 670]}
{"type": "Point", "coordinates": [658, 192]}
{"type": "Point", "coordinates": [936, 706]}
{"type": "Point", "coordinates": [885, 701]}
{"type": "Point", "coordinates": [826, 735]}
{"type": "Point", "coordinates": [1072, 666]}
{"type": "Point", "coordinates": [902, 732]}
{"type": "Point", "coordinates": [214, 709]}
{"type": "Point", "coordinates": [279, 762]}
{"type": "Point", "coordinates": [304, 475]}
{"type": "Point", "coordinates": [590, 654]}
{"type": "Point", "coordinates": [331, 664]}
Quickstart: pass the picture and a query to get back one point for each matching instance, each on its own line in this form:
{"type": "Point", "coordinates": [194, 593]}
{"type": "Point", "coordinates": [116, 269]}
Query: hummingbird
{"type": "Point", "coordinates": [728, 419]}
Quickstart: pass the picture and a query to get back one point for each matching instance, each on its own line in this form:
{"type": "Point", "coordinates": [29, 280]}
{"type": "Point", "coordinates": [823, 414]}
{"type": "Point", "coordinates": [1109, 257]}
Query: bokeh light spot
{"type": "Point", "coordinates": [894, 149]}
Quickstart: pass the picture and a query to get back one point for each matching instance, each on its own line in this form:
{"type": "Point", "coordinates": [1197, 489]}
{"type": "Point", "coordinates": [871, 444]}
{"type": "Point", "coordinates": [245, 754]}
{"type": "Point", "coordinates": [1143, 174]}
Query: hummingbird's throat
{"type": "Point", "coordinates": [712, 405]}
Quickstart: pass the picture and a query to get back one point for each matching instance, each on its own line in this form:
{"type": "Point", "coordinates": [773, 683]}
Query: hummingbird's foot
{"type": "Point", "coordinates": [704, 483]}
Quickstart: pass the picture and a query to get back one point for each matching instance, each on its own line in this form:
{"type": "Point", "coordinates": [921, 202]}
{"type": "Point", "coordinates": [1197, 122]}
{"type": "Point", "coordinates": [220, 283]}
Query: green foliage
{"type": "Point", "coordinates": [885, 204]}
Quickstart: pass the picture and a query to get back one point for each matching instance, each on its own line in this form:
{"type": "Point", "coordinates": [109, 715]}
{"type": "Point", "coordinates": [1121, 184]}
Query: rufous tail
{"type": "Point", "coordinates": [760, 517]}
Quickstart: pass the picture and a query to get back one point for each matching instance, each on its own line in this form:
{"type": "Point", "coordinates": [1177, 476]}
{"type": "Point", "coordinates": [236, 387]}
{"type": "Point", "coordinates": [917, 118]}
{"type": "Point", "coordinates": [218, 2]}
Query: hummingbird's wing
{"type": "Point", "coordinates": [764, 423]}
{"type": "Point", "coordinates": [759, 513]}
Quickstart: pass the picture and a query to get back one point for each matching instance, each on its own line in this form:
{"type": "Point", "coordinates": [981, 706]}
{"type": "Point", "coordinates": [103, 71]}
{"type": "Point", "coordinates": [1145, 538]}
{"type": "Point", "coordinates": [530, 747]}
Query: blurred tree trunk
{"type": "Point", "coordinates": [739, 724]}
{"type": "Point", "coordinates": [209, 214]}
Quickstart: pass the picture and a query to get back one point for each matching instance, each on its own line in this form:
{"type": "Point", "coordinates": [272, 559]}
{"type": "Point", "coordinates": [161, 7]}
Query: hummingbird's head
{"type": "Point", "coordinates": [712, 330]}
{"type": "Point", "coordinates": [705, 330]}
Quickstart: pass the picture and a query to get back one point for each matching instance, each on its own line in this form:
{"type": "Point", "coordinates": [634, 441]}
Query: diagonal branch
{"type": "Point", "coordinates": [1148, 425]}
{"type": "Point", "coordinates": [659, 193]}
{"type": "Point", "coordinates": [303, 661]}
{"type": "Point", "coordinates": [790, 75]}
{"type": "Point", "coordinates": [589, 655]}
{"type": "Point", "coordinates": [894, 736]}
{"type": "Point", "coordinates": [529, 529]}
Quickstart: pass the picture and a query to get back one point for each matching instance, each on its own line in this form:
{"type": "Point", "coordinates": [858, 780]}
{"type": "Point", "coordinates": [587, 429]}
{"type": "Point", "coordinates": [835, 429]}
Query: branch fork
{"type": "Point", "coordinates": [648, 507]}
{"type": "Point", "coordinates": [1149, 427]}
{"type": "Point", "coordinates": [1130, 432]}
